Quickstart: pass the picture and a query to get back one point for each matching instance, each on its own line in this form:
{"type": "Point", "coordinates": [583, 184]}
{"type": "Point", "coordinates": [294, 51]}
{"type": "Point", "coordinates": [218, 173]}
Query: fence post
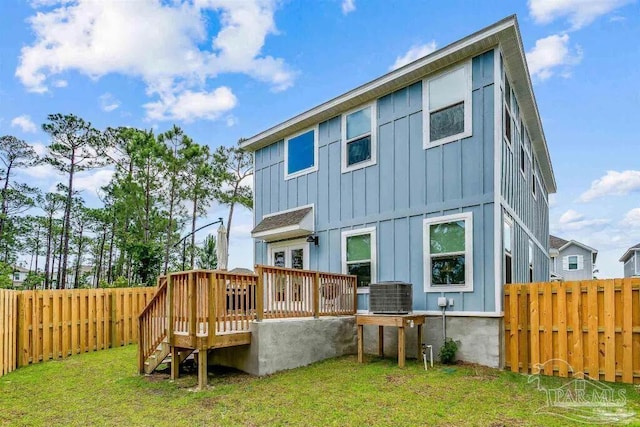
{"type": "Point", "coordinates": [259, 294]}
{"type": "Point", "coordinates": [20, 322]}
{"type": "Point", "coordinates": [113, 310]}
{"type": "Point", "coordinates": [316, 295]}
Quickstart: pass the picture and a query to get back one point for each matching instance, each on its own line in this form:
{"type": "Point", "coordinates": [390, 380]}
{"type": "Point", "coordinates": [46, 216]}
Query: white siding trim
{"type": "Point", "coordinates": [468, 106]}
{"type": "Point", "coordinates": [374, 138]}
{"type": "Point", "coordinates": [310, 169]}
{"type": "Point", "coordinates": [497, 182]}
{"type": "Point", "coordinates": [467, 217]}
{"type": "Point", "coordinates": [374, 252]}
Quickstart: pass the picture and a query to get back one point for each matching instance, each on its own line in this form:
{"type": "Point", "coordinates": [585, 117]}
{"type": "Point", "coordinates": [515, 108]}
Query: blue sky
{"type": "Point", "coordinates": [225, 69]}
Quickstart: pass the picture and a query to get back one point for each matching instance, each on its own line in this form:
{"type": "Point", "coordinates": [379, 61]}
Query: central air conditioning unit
{"type": "Point", "coordinates": [390, 298]}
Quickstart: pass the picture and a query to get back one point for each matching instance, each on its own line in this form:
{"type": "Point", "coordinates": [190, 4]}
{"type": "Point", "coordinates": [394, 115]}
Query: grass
{"type": "Point", "coordinates": [103, 388]}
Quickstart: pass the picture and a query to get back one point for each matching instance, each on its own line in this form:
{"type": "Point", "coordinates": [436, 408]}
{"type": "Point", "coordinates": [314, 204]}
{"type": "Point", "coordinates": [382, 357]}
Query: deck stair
{"type": "Point", "coordinates": [196, 311]}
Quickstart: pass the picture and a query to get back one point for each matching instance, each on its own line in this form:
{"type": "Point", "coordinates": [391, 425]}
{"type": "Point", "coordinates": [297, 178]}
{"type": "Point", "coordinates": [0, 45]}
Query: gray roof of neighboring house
{"type": "Point", "coordinates": [282, 220]}
{"type": "Point", "coordinates": [504, 33]}
{"type": "Point", "coordinates": [629, 252]}
{"type": "Point", "coordinates": [556, 242]}
{"type": "Point", "coordinates": [559, 243]}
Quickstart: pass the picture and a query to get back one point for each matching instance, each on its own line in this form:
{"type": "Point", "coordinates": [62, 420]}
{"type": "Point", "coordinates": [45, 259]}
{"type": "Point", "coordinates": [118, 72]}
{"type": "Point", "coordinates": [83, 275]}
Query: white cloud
{"type": "Point", "coordinates": [43, 171]}
{"type": "Point", "coordinates": [39, 148]}
{"type": "Point", "coordinates": [578, 12]}
{"type": "Point", "coordinates": [25, 123]}
{"type": "Point", "coordinates": [417, 51]}
{"type": "Point", "coordinates": [348, 6]}
{"type": "Point", "coordinates": [108, 102]}
{"type": "Point", "coordinates": [553, 53]}
{"type": "Point", "coordinates": [572, 220]}
{"type": "Point", "coordinates": [613, 184]}
{"type": "Point", "coordinates": [165, 49]}
{"type": "Point", "coordinates": [92, 181]}
{"type": "Point", "coordinates": [231, 120]}
{"type": "Point", "coordinates": [188, 106]}
{"type": "Point", "coordinates": [632, 218]}
{"type": "Point", "coordinates": [60, 83]}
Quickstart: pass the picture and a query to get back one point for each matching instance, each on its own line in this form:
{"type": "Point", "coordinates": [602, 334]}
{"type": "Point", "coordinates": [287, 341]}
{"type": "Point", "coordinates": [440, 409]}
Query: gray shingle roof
{"type": "Point", "coordinates": [556, 242]}
{"type": "Point", "coordinates": [282, 220]}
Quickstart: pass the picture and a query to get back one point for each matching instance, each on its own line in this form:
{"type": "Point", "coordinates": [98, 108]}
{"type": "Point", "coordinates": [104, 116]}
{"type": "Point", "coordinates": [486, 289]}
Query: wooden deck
{"type": "Point", "coordinates": [208, 309]}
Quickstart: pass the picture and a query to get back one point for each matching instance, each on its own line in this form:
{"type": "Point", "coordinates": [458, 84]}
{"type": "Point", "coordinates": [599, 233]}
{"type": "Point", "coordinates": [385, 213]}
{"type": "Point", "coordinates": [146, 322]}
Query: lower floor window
{"type": "Point", "coordinates": [448, 244]}
{"type": "Point", "coordinates": [358, 255]}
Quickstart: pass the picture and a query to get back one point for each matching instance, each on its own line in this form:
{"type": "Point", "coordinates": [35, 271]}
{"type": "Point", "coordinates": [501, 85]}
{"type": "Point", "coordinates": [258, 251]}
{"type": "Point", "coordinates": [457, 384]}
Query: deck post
{"type": "Point", "coordinates": [141, 342]}
{"type": "Point", "coordinates": [354, 281]}
{"type": "Point", "coordinates": [170, 308]}
{"type": "Point", "coordinates": [259, 294]}
{"type": "Point", "coordinates": [316, 295]}
{"type": "Point", "coordinates": [192, 297]}
{"type": "Point", "coordinates": [202, 368]}
{"type": "Point", "coordinates": [213, 301]}
{"type": "Point", "coordinates": [175, 363]}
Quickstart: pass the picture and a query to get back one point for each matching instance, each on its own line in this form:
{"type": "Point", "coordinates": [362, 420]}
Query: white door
{"type": "Point", "coordinates": [291, 254]}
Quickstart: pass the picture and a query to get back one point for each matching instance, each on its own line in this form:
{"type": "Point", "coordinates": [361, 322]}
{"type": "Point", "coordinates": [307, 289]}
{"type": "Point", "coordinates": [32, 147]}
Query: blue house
{"type": "Point", "coordinates": [436, 174]}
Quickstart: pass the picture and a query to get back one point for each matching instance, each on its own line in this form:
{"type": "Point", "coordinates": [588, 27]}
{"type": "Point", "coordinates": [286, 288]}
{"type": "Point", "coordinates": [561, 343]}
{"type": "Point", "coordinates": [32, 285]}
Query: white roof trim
{"type": "Point", "coordinates": [582, 245]}
{"type": "Point", "coordinates": [628, 254]}
{"type": "Point", "coordinates": [504, 33]}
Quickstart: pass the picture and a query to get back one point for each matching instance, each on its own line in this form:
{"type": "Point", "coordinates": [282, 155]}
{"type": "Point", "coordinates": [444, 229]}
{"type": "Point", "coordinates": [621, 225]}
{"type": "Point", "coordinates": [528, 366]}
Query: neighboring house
{"type": "Point", "coordinates": [571, 260]}
{"type": "Point", "coordinates": [436, 174]}
{"type": "Point", "coordinates": [85, 277]}
{"type": "Point", "coordinates": [19, 275]}
{"type": "Point", "coordinates": [631, 260]}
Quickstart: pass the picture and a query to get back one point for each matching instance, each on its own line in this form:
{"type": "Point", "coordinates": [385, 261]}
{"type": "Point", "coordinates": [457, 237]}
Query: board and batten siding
{"type": "Point", "coordinates": [530, 214]}
{"type": "Point", "coordinates": [405, 186]}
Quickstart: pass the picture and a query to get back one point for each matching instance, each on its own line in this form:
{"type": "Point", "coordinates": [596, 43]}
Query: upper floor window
{"type": "Point", "coordinates": [447, 106]}
{"type": "Point", "coordinates": [301, 153]}
{"type": "Point", "coordinates": [573, 263]}
{"type": "Point", "coordinates": [448, 252]}
{"type": "Point", "coordinates": [531, 261]}
{"type": "Point", "coordinates": [359, 138]}
{"type": "Point", "coordinates": [359, 254]}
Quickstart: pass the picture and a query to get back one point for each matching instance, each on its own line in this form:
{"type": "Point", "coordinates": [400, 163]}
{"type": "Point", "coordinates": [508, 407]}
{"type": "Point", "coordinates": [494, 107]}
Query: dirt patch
{"type": "Point", "coordinates": [395, 379]}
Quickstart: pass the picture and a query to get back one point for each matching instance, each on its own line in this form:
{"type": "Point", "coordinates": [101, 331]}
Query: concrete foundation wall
{"type": "Point", "coordinates": [282, 344]}
{"type": "Point", "coordinates": [479, 339]}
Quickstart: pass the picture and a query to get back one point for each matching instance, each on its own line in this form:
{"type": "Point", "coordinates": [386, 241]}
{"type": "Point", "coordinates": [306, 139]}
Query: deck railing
{"type": "Point", "coordinates": [201, 301]}
{"type": "Point", "coordinates": [152, 323]}
{"type": "Point", "coordinates": [189, 305]}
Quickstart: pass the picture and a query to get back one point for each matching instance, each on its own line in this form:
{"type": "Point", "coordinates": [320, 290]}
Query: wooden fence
{"type": "Point", "coordinates": [36, 326]}
{"type": "Point", "coordinates": [574, 328]}
{"type": "Point", "coordinates": [8, 330]}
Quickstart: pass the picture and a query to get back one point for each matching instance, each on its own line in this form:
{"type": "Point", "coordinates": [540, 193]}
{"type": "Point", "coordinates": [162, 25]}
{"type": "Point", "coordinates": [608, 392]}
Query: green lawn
{"type": "Point", "coordinates": [103, 388]}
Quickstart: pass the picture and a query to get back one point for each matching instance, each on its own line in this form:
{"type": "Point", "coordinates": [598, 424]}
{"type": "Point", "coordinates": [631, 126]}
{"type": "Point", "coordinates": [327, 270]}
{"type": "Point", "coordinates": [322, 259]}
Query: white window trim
{"type": "Point", "coordinates": [505, 106]}
{"type": "Point", "coordinates": [523, 162]}
{"type": "Point", "coordinates": [467, 217]}
{"type": "Point", "coordinates": [508, 221]}
{"type": "Point", "coordinates": [534, 185]}
{"type": "Point", "coordinates": [374, 254]}
{"type": "Point", "coordinates": [468, 106]}
{"type": "Point", "coordinates": [568, 257]}
{"type": "Point", "coordinates": [374, 138]}
{"type": "Point", "coordinates": [308, 170]}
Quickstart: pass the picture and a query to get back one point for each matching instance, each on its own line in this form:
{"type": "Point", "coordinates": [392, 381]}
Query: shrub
{"type": "Point", "coordinates": [448, 351]}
